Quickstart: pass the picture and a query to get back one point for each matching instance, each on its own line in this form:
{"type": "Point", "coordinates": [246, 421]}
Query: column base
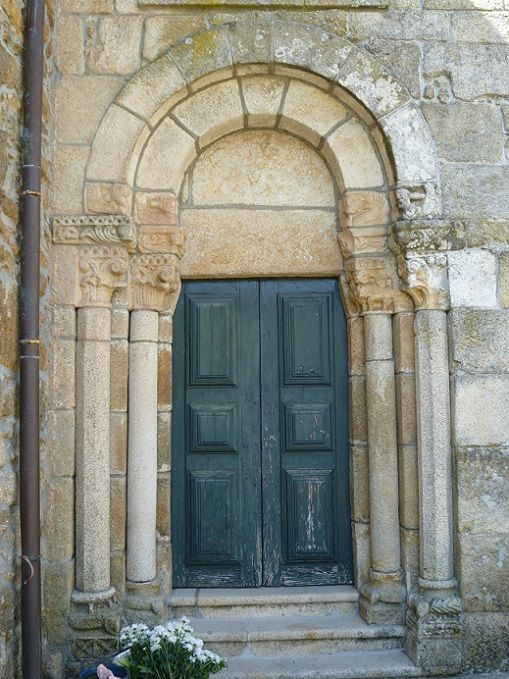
{"type": "Point", "coordinates": [382, 599]}
{"type": "Point", "coordinates": [95, 621]}
{"type": "Point", "coordinates": [145, 602]}
{"type": "Point", "coordinates": [433, 640]}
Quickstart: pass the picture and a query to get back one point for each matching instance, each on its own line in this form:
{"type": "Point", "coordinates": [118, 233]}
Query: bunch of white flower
{"type": "Point", "coordinates": [134, 634]}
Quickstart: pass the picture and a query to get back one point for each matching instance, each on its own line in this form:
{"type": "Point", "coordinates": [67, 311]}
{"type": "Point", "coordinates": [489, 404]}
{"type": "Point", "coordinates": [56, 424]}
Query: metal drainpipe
{"type": "Point", "coordinates": [30, 206]}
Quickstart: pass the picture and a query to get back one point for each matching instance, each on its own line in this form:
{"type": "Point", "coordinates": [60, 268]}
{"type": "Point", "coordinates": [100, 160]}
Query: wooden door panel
{"type": "Point", "coordinates": [216, 436]}
{"type": "Point", "coordinates": [304, 434]}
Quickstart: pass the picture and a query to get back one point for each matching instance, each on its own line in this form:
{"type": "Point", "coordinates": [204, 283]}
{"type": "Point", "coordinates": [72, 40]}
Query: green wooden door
{"type": "Point", "coordinates": [260, 435]}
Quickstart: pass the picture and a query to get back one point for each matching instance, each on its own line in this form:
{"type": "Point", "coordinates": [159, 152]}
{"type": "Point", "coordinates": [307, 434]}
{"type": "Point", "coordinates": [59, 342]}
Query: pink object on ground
{"type": "Point", "coordinates": [104, 673]}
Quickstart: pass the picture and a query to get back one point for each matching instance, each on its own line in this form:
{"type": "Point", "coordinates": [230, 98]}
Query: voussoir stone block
{"type": "Point", "coordinates": [353, 152]}
{"type": "Point", "coordinates": [310, 47]}
{"type": "Point", "coordinates": [114, 143]}
{"type": "Point", "coordinates": [202, 54]}
{"type": "Point", "coordinates": [262, 98]}
{"type": "Point", "coordinates": [212, 112]}
{"type": "Point", "coordinates": [157, 85]}
{"type": "Point", "coordinates": [310, 112]}
{"type": "Point", "coordinates": [251, 41]}
{"type": "Point", "coordinates": [166, 157]}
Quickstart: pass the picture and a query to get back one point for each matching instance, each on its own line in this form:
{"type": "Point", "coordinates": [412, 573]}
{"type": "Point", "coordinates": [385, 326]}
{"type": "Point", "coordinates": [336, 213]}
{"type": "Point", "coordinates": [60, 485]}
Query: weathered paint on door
{"type": "Point", "coordinates": [260, 435]}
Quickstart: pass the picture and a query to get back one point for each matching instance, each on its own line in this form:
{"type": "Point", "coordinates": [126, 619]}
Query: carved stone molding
{"type": "Point", "coordinates": [382, 598]}
{"type": "Point", "coordinates": [89, 229]}
{"type": "Point", "coordinates": [362, 240]}
{"type": "Point", "coordinates": [425, 279]}
{"type": "Point", "coordinates": [427, 235]}
{"type": "Point", "coordinates": [373, 287]}
{"type": "Point", "coordinates": [95, 621]}
{"type": "Point", "coordinates": [102, 270]}
{"type": "Point", "coordinates": [418, 200]}
{"type": "Point", "coordinates": [157, 208]}
{"type": "Point", "coordinates": [153, 278]}
{"type": "Point", "coordinates": [162, 239]}
{"type": "Point", "coordinates": [363, 208]}
{"type": "Point", "coordinates": [106, 198]}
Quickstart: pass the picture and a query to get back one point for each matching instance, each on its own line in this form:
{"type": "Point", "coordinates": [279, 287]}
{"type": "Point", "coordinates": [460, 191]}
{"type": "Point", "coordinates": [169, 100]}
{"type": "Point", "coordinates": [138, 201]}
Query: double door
{"type": "Point", "coordinates": [260, 435]}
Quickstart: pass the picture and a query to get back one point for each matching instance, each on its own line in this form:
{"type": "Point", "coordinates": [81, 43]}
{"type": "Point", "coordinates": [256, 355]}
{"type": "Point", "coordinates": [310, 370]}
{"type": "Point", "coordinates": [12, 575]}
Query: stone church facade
{"type": "Point", "coordinates": [364, 142]}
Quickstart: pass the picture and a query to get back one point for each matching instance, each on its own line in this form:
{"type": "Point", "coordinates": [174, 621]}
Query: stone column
{"type": "Point", "coordinates": [102, 271]}
{"type": "Point", "coordinates": [153, 277]}
{"type": "Point", "coordinates": [373, 288]}
{"type": "Point", "coordinates": [433, 639]}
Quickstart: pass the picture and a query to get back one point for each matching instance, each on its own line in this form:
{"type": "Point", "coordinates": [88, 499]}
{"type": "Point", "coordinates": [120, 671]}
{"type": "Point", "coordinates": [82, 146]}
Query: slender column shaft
{"type": "Point", "coordinates": [93, 450]}
{"type": "Point", "coordinates": [142, 447]}
{"type": "Point", "coordinates": [382, 444]}
{"type": "Point", "coordinates": [433, 433]}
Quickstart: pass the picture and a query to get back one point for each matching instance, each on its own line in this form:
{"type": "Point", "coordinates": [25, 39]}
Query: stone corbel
{"type": "Point", "coordinates": [155, 281]}
{"type": "Point", "coordinates": [102, 271]}
{"type": "Point", "coordinates": [373, 287]}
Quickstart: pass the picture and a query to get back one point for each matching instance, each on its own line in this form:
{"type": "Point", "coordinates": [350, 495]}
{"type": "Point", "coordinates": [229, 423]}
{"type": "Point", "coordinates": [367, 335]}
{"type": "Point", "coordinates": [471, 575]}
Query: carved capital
{"type": "Point", "coordinates": [418, 200]}
{"type": "Point", "coordinates": [373, 286]}
{"type": "Point", "coordinates": [425, 279]}
{"type": "Point", "coordinates": [102, 270]}
{"type": "Point", "coordinates": [153, 278]}
{"type": "Point", "coordinates": [91, 229]}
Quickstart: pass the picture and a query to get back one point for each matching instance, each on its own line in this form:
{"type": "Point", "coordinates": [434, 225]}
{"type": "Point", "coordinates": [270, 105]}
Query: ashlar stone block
{"type": "Point", "coordinates": [479, 340]}
{"type": "Point", "coordinates": [353, 152]}
{"type": "Point", "coordinates": [475, 191]}
{"type": "Point", "coordinates": [481, 410]}
{"type": "Point", "coordinates": [70, 48]}
{"type": "Point", "coordinates": [484, 569]}
{"type": "Point", "coordinates": [503, 279]}
{"type": "Point", "coordinates": [310, 112]}
{"type": "Point", "coordinates": [480, 28]}
{"type": "Point", "coordinates": [472, 278]}
{"type": "Point", "coordinates": [166, 157]}
{"type": "Point", "coordinates": [212, 112]}
{"type": "Point", "coordinates": [115, 47]}
{"type": "Point", "coordinates": [262, 97]}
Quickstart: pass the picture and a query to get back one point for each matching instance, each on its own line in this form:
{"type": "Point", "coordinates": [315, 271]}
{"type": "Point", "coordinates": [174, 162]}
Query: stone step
{"type": "Point", "coordinates": [391, 664]}
{"type": "Point", "coordinates": [295, 635]}
{"type": "Point", "coordinates": [263, 601]}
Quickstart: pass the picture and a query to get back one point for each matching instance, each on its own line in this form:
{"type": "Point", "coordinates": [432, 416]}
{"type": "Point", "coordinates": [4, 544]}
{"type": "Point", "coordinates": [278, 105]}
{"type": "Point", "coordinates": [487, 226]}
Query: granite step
{"type": "Point", "coordinates": [263, 601]}
{"type": "Point", "coordinates": [295, 635]}
{"type": "Point", "coordinates": [388, 664]}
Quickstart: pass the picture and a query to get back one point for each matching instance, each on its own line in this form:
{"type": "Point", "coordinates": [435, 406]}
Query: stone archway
{"type": "Point", "coordinates": [133, 252]}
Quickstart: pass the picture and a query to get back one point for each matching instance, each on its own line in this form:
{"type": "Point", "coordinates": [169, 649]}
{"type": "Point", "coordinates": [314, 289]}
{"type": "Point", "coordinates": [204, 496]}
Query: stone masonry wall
{"type": "Point", "coordinates": [453, 56]}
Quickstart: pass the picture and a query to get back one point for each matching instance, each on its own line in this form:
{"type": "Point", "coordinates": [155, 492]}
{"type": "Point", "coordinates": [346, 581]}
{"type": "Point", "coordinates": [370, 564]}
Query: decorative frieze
{"type": "Point", "coordinates": [90, 229]}
{"type": "Point", "coordinates": [102, 271]}
{"type": "Point", "coordinates": [153, 277]}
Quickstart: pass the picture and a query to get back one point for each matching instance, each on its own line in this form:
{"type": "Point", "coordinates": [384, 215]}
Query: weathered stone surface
{"type": "Point", "coordinates": [163, 31]}
{"type": "Point", "coordinates": [464, 63]}
{"type": "Point", "coordinates": [118, 372]}
{"type": "Point", "coordinates": [358, 416]}
{"type": "Point", "coordinates": [467, 132]}
{"type": "Point", "coordinates": [118, 443]}
{"type": "Point", "coordinates": [164, 376]}
{"type": "Point", "coordinates": [399, 25]}
{"type": "Point", "coordinates": [70, 52]}
{"type": "Point", "coordinates": [484, 567]}
{"type": "Point", "coordinates": [261, 168]}
{"type": "Point", "coordinates": [262, 98]}
{"type": "Point", "coordinates": [485, 638]}
{"type": "Point", "coordinates": [163, 441]}
{"type": "Point", "coordinates": [483, 502]}
{"type": "Point", "coordinates": [62, 387]}
{"type": "Point", "coordinates": [114, 45]}
{"type": "Point", "coordinates": [163, 517]}
{"type": "Point", "coordinates": [359, 488]}
{"type": "Point", "coordinates": [69, 167]}
{"type": "Point", "coordinates": [58, 520]}
{"type": "Point", "coordinates": [309, 112]}
{"type": "Point", "coordinates": [113, 145]}
{"type": "Point", "coordinates": [157, 86]}
{"type": "Point", "coordinates": [404, 341]}
{"type": "Point", "coordinates": [202, 53]}
{"type": "Point", "coordinates": [356, 360]}
{"type": "Point", "coordinates": [481, 410]}
{"type": "Point", "coordinates": [476, 27]}
{"type": "Point", "coordinates": [402, 56]}
{"type": "Point", "coordinates": [472, 278]}
{"type": "Point", "coordinates": [405, 403]}
{"type": "Point", "coordinates": [166, 157]}
{"type": "Point", "coordinates": [408, 487]}
{"type": "Point", "coordinates": [61, 441]}
{"type": "Point", "coordinates": [58, 580]}
{"type": "Point", "coordinates": [118, 512]}
{"type": "Point", "coordinates": [353, 151]}
{"type": "Point", "coordinates": [251, 41]}
{"type": "Point", "coordinates": [213, 112]}
{"type": "Point", "coordinates": [88, 6]}
{"type": "Point", "coordinates": [265, 243]}
{"type": "Point", "coordinates": [503, 279]}
{"type": "Point", "coordinates": [480, 341]}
